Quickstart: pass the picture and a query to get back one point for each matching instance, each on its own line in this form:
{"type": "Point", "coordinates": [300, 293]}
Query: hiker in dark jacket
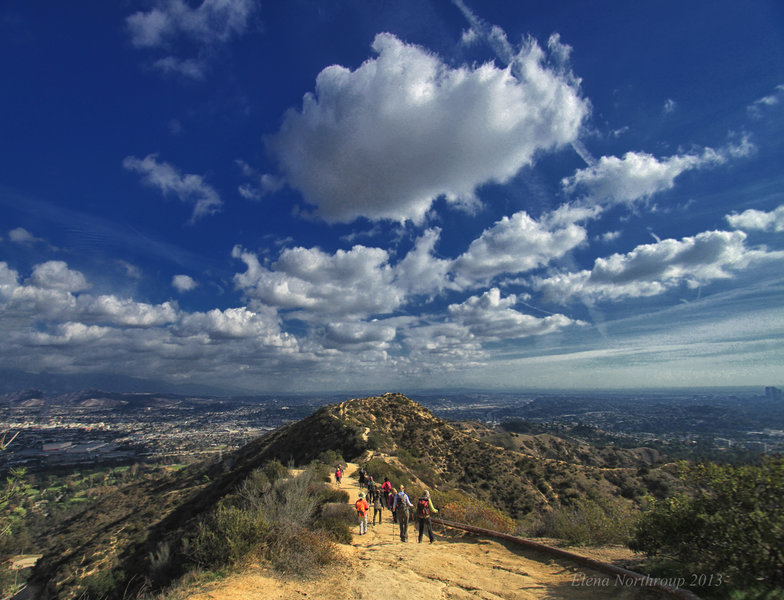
{"type": "Point", "coordinates": [378, 509]}
{"type": "Point", "coordinates": [401, 505]}
{"type": "Point", "coordinates": [424, 509]}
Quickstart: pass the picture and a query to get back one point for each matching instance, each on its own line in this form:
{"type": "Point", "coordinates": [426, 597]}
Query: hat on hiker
{"type": "Point", "coordinates": [361, 494]}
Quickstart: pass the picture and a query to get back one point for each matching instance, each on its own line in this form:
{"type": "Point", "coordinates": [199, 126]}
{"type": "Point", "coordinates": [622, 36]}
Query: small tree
{"type": "Point", "coordinates": [731, 527]}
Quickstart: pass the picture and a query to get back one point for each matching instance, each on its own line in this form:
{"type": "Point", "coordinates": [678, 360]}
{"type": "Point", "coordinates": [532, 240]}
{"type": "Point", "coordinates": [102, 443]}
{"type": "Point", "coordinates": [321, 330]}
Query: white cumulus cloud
{"type": "Point", "coordinates": [55, 275]}
{"type": "Point", "coordinates": [636, 176]}
{"type": "Point", "coordinates": [652, 269]}
{"type": "Point", "coordinates": [385, 140]}
{"type": "Point", "coordinates": [350, 282]}
{"type": "Point", "coordinates": [513, 245]}
{"type": "Point", "coordinates": [184, 283]}
{"type": "Point", "coordinates": [492, 317]}
{"type": "Point", "coordinates": [753, 219]}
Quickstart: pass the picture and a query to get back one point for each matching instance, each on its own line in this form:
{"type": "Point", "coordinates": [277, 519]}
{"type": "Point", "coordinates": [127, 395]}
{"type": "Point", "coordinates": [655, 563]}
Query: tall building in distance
{"type": "Point", "coordinates": [773, 393]}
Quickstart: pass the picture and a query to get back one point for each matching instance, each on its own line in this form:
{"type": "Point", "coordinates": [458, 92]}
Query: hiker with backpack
{"type": "Point", "coordinates": [372, 491]}
{"type": "Point", "coordinates": [362, 510]}
{"type": "Point", "coordinates": [401, 505]}
{"type": "Point", "coordinates": [361, 477]}
{"type": "Point", "coordinates": [338, 474]}
{"type": "Point", "coordinates": [424, 509]}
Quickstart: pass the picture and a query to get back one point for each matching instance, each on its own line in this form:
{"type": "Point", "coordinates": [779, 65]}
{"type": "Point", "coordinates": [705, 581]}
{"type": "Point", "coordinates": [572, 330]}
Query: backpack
{"type": "Point", "coordinates": [371, 486]}
{"type": "Point", "coordinates": [423, 508]}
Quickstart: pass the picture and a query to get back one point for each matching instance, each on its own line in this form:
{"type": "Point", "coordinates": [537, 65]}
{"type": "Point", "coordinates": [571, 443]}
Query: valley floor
{"type": "Point", "coordinates": [456, 567]}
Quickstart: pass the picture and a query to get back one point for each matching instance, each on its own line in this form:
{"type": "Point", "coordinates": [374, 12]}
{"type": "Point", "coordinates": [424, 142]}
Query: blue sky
{"type": "Point", "coordinates": [371, 195]}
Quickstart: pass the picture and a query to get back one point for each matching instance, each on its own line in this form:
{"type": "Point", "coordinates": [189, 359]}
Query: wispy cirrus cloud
{"type": "Point", "coordinates": [172, 22]}
{"type": "Point", "coordinates": [189, 188]}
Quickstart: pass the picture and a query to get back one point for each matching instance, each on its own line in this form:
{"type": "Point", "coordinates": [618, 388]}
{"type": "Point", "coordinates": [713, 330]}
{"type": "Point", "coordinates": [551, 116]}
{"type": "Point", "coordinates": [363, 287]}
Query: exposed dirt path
{"type": "Point", "coordinates": [455, 567]}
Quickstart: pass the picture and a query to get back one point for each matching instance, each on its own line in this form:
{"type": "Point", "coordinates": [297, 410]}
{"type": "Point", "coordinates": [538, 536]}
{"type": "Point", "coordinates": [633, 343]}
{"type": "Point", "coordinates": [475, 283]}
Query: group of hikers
{"type": "Point", "coordinates": [384, 496]}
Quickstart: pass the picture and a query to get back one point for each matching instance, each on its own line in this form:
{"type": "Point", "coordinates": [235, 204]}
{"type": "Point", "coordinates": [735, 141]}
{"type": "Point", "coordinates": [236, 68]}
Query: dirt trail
{"type": "Point", "coordinates": [455, 567]}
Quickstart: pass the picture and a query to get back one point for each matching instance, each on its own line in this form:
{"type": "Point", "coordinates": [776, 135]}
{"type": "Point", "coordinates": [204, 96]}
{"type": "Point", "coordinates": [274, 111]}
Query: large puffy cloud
{"type": "Point", "coordinates": [652, 269]}
{"type": "Point", "coordinates": [491, 317]}
{"type": "Point", "coordinates": [404, 128]}
{"type": "Point", "coordinates": [191, 189]}
{"type": "Point", "coordinates": [513, 245]}
{"type": "Point", "coordinates": [753, 219]}
{"type": "Point", "coordinates": [356, 282]}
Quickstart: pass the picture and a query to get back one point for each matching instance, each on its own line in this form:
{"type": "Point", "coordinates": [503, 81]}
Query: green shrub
{"type": "Point", "coordinates": [732, 526]}
{"type": "Point", "coordinates": [591, 522]}
{"type": "Point", "coordinates": [275, 470]}
{"type": "Point", "coordinates": [301, 552]}
{"type": "Point", "coordinates": [379, 469]}
{"type": "Point", "coordinates": [228, 537]}
{"type": "Point", "coordinates": [103, 583]}
{"type": "Point", "coordinates": [331, 458]}
{"type": "Point", "coordinates": [330, 494]}
{"type": "Point", "coordinates": [337, 529]}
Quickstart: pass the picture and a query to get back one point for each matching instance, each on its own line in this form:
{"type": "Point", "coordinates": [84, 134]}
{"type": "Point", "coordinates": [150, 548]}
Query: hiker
{"type": "Point", "coordinates": [386, 489]}
{"type": "Point", "coordinates": [338, 474]}
{"type": "Point", "coordinates": [378, 509]}
{"type": "Point", "coordinates": [401, 506]}
{"type": "Point", "coordinates": [372, 491]}
{"type": "Point", "coordinates": [361, 477]}
{"type": "Point", "coordinates": [391, 503]}
{"type": "Point", "coordinates": [362, 511]}
{"type": "Point", "coordinates": [423, 511]}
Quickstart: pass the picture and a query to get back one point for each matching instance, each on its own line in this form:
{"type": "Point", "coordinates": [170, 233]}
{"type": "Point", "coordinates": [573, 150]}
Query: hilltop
{"type": "Point", "coordinates": [119, 536]}
{"type": "Point", "coordinates": [539, 472]}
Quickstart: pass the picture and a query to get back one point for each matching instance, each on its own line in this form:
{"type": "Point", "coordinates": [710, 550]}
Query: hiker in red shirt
{"type": "Point", "coordinates": [386, 490]}
{"type": "Point", "coordinates": [362, 511]}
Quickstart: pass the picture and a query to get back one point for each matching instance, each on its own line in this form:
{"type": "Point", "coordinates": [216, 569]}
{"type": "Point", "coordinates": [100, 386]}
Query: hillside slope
{"type": "Point", "coordinates": [116, 537]}
{"type": "Point", "coordinates": [446, 456]}
{"type": "Point", "coordinates": [459, 567]}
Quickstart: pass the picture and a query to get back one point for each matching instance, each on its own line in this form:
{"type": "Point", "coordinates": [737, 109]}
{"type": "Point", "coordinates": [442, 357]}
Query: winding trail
{"type": "Point", "coordinates": [456, 567]}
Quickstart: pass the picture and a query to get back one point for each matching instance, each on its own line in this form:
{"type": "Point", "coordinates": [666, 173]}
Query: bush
{"type": "Point", "coordinates": [330, 494]}
{"type": "Point", "coordinates": [301, 552]}
{"type": "Point", "coordinates": [379, 469]}
{"type": "Point", "coordinates": [275, 470]}
{"type": "Point", "coordinates": [103, 583]}
{"type": "Point", "coordinates": [337, 519]}
{"type": "Point", "coordinates": [732, 526]}
{"type": "Point", "coordinates": [591, 522]}
{"type": "Point", "coordinates": [229, 536]}
{"type": "Point", "coordinates": [461, 508]}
